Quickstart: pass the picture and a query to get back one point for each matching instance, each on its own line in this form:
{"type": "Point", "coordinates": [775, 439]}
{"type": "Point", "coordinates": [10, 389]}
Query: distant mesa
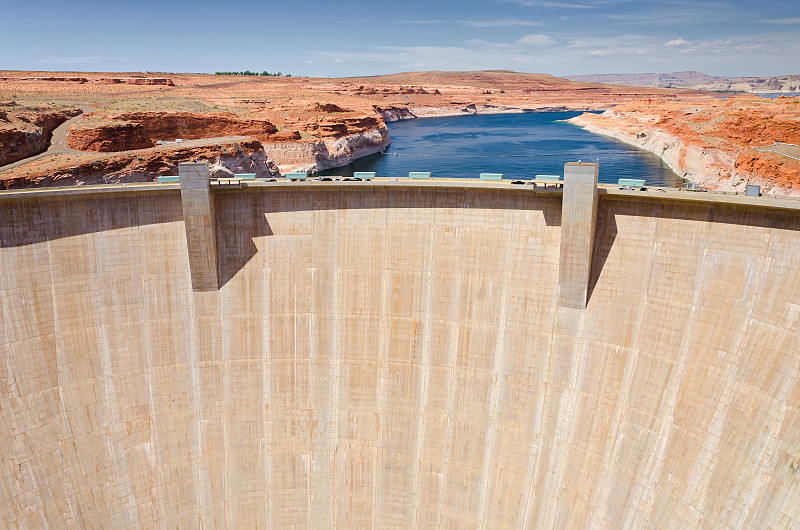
{"type": "Point", "coordinates": [698, 81]}
{"type": "Point", "coordinates": [113, 80]}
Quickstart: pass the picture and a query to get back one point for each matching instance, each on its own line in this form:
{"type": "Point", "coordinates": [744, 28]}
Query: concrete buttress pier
{"type": "Point", "coordinates": [578, 220]}
{"type": "Point", "coordinates": [200, 221]}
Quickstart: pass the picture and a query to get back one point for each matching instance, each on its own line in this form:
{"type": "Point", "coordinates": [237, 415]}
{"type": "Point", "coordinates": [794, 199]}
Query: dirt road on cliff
{"type": "Point", "coordinates": [59, 145]}
{"type": "Point", "coordinates": [58, 142]}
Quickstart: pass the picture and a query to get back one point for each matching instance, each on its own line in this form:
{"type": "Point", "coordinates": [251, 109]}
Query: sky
{"type": "Point", "coordinates": [371, 37]}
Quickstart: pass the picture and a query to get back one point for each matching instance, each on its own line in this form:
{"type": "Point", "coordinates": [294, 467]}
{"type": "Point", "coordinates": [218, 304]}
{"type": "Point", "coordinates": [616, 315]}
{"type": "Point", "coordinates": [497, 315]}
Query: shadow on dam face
{"type": "Point", "coordinates": [236, 247]}
{"type": "Point", "coordinates": [28, 221]}
{"type": "Point", "coordinates": [719, 218]}
{"type": "Point", "coordinates": [398, 357]}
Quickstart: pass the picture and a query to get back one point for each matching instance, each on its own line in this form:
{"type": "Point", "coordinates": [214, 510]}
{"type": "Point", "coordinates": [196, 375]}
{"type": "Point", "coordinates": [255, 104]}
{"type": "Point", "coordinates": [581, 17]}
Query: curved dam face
{"type": "Point", "coordinates": [396, 356]}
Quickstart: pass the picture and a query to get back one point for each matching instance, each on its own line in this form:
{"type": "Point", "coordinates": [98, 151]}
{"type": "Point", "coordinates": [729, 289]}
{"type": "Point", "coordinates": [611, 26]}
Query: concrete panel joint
{"type": "Point", "coordinates": [578, 220]}
{"type": "Point", "coordinates": [200, 222]}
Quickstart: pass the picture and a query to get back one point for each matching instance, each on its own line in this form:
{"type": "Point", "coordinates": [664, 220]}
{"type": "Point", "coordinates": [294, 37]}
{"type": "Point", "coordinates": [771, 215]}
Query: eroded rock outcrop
{"type": "Point", "coordinates": [120, 136]}
{"type": "Point", "coordinates": [330, 153]}
{"type": "Point", "coordinates": [343, 151]}
{"type": "Point", "coordinates": [143, 129]}
{"type": "Point", "coordinates": [162, 81]}
{"type": "Point", "coordinates": [234, 157]}
{"type": "Point", "coordinates": [330, 127]}
{"type": "Point", "coordinates": [25, 132]}
{"type": "Point", "coordinates": [711, 143]}
{"type": "Point", "coordinates": [390, 114]}
{"type": "Point", "coordinates": [114, 80]}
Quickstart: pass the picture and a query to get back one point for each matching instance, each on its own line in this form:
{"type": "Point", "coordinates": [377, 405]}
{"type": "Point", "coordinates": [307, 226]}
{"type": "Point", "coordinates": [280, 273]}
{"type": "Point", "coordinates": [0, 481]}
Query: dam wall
{"type": "Point", "coordinates": [394, 355]}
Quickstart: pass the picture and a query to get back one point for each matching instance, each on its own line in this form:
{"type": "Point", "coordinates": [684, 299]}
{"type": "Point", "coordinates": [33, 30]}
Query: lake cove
{"type": "Point", "coordinates": [518, 145]}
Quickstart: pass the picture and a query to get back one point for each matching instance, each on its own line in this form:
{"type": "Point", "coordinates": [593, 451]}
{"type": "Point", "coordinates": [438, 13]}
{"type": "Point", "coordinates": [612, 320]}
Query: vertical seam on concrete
{"type": "Point", "coordinates": [674, 382]}
{"type": "Point", "coordinates": [534, 453]}
{"type": "Point", "coordinates": [546, 390]}
{"type": "Point", "coordinates": [108, 406]}
{"type": "Point", "coordinates": [603, 484]}
{"type": "Point", "coordinates": [720, 414]}
{"type": "Point", "coordinates": [267, 382]}
{"type": "Point", "coordinates": [495, 393]}
{"type": "Point", "coordinates": [744, 514]}
{"type": "Point", "coordinates": [59, 354]}
{"type": "Point", "coordinates": [226, 398]}
{"type": "Point", "coordinates": [146, 292]}
{"type": "Point", "coordinates": [336, 369]}
{"type": "Point", "coordinates": [383, 338]}
{"type": "Point", "coordinates": [565, 417]}
{"type": "Point", "coordinates": [310, 400]}
{"type": "Point", "coordinates": [452, 358]}
{"type": "Point", "coordinates": [425, 367]}
{"type": "Point", "coordinates": [197, 403]}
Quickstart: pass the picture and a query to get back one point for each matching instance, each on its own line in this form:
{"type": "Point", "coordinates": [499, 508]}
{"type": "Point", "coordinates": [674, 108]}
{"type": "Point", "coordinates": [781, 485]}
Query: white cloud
{"type": "Point", "coordinates": [537, 39]}
{"type": "Point", "coordinates": [623, 53]}
{"type": "Point", "coordinates": [338, 60]}
{"type": "Point", "coordinates": [676, 42]}
{"type": "Point", "coordinates": [787, 21]}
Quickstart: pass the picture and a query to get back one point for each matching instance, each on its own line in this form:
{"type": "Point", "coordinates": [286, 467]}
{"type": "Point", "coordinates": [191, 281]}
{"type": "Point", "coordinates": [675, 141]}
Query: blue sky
{"type": "Point", "coordinates": [367, 37]}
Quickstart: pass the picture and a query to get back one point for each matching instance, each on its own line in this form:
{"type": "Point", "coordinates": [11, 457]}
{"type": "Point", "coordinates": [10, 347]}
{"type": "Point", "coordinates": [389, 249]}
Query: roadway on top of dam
{"type": "Point", "coordinates": [656, 193]}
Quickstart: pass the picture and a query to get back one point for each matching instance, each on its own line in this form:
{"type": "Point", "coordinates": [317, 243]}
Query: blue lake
{"type": "Point", "coordinates": [518, 145]}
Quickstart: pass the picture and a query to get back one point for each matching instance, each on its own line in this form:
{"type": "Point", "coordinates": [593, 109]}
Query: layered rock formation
{"type": "Point", "coordinates": [111, 137]}
{"type": "Point", "coordinates": [113, 80]}
{"type": "Point", "coordinates": [390, 114]}
{"type": "Point", "coordinates": [699, 81]}
{"type": "Point", "coordinates": [336, 140]}
{"type": "Point", "coordinates": [138, 80]}
{"type": "Point", "coordinates": [25, 132]}
{"type": "Point", "coordinates": [334, 127]}
{"type": "Point", "coordinates": [138, 130]}
{"type": "Point", "coordinates": [712, 143]}
{"type": "Point", "coordinates": [145, 166]}
{"type": "Point", "coordinates": [329, 153]}
{"type": "Point", "coordinates": [304, 123]}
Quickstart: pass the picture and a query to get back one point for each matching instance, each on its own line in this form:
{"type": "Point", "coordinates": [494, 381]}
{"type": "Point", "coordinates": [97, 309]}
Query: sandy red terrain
{"type": "Point", "coordinates": [713, 141]}
{"type": "Point", "coordinates": [297, 120]}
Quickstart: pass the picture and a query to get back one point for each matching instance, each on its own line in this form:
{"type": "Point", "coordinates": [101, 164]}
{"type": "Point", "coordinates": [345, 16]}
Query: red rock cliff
{"type": "Point", "coordinates": [138, 130]}
{"type": "Point", "coordinates": [26, 132]}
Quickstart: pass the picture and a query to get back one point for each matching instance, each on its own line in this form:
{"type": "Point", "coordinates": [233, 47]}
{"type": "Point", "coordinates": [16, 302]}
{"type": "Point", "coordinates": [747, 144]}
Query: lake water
{"type": "Point", "coordinates": [518, 145]}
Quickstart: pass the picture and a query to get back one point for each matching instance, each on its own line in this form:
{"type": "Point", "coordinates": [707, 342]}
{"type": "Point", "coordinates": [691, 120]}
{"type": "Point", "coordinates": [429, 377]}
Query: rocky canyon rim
{"type": "Point", "coordinates": [338, 120]}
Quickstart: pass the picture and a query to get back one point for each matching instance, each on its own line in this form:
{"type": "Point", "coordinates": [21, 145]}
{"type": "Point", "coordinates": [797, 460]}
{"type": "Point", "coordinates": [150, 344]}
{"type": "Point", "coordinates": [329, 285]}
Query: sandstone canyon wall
{"type": "Point", "coordinates": [712, 143]}
{"type": "Point", "coordinates": [246, 156]}
{"type": "Point", "coordinates": [25, 132]}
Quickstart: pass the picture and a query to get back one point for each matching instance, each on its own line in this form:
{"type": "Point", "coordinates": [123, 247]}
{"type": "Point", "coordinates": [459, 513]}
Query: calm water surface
{"type": "Point", "coordinates": [518, 145]}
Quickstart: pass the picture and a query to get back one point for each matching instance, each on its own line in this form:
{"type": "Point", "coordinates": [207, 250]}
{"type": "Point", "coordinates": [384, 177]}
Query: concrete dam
{"type": "Point", "coordinates": [398, 355]}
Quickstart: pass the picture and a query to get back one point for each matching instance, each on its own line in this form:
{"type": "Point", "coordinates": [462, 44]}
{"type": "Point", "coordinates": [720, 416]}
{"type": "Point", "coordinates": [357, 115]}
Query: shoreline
{"type": "Point", "coordinates": [711, 167]}
{"type": "Point", "coordinates": [392, 114]}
